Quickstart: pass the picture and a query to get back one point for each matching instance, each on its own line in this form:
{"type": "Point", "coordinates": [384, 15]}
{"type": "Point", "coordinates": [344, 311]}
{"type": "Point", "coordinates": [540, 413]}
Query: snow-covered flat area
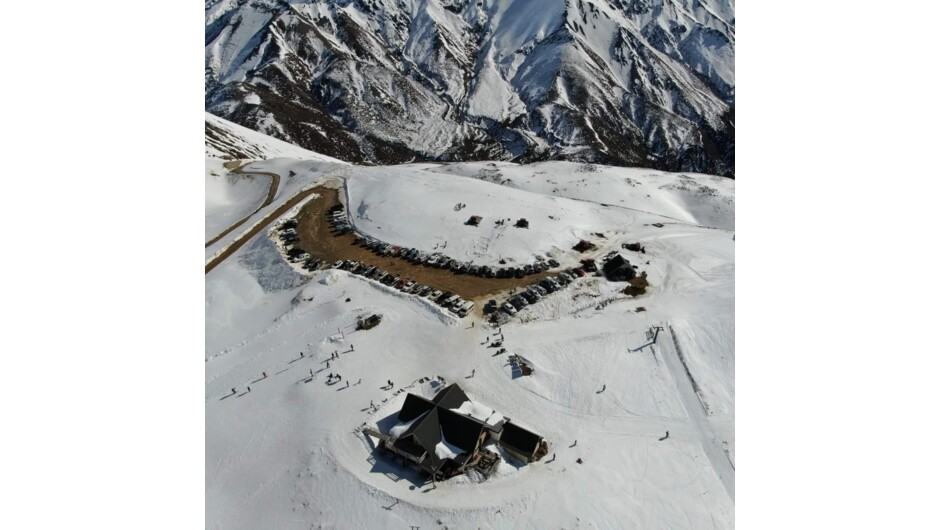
{"type": "Point", "coordinates": [287, 454]}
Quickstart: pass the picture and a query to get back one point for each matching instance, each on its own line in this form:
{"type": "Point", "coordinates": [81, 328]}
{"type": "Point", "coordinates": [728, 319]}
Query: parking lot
{"type": "Point", "coordinates": [315, 235]}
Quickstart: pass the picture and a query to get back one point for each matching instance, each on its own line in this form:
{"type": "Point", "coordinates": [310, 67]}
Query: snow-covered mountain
{"type": "Point", "coordinates": [624, 82]}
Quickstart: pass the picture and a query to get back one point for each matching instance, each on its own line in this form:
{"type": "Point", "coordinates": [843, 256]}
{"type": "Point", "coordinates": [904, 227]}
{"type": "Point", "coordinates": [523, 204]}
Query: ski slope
{"type": "Point", "coordinates": [287, 455]}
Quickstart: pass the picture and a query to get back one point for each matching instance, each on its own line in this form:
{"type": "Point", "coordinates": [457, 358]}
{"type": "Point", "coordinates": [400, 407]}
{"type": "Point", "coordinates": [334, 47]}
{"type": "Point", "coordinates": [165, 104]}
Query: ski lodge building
{"type": "Point", "coordinates": [445, 436]}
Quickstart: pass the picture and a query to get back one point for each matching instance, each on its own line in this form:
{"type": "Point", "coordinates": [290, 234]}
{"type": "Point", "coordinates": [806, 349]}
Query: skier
{"type": "Point", "coordinates": [347, 383]}
{"type": "Point", "coordinates": [473, 372]}
{"type": "Point", "coordinates": [264, 375]}
{"type": "Point", "coordinates": [359, 382]}
{"type": "Point", "coordinates": [604, 388]}
{"type": "Point", "coordinates": [390, 385]}
{"type": "Point", "coordinates": [301, 354]}
{"type": "Point", "coordinates": [233, 390]}
{"type": "Point", "coordinates": [330, 376]}
{"type": "Point", "coordinates": [327, 364]}
{"type": "Point", "coordinates": [575, 443]}
{"type": "Point", "coordinates": [352, 347]}
{"type": "Point", "coordinates": [472, 323]}
{"type": "Point", "coordinates": [371, 404]}
{"type": "Point", "coordinates": [311, 372]}
{"type": "Point", "coordinates": [249, 389]}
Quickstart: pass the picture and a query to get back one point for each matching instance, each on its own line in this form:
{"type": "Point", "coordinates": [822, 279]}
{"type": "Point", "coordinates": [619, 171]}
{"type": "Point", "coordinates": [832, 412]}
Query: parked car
{"type": "Point", "coordinates": [474, 270]}
{"type": "Point", "coordinates": [435, 294]}
{"type": "Point", "coordinates": [449, 300]}
{"type": "Point", "coordinates": [553, 263]}
{"type": "Point", "coordinates": [529, 297]}
{"type": "Point", "coordinates": [508, 308]}
{"type": "Point", "coordinates": [465, 309]}
{"type": "Point", "coordinates": [518, 302]}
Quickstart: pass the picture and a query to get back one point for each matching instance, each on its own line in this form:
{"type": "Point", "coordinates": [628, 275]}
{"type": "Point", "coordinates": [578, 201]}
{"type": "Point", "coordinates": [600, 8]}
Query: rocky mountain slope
{"type": "Point", "coordinates": [623, 82]}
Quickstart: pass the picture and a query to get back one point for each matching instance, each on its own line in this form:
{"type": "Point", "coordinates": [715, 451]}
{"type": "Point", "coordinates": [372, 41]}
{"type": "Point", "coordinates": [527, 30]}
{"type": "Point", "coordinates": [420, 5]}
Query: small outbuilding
{"type": "Point", "coordinates": [474, 220]}
{"type": "Point", "coordinates": [522, 223]}
{"type": "Point", "coordinates": [617, 269]}
{"type": "Point", "coordinates": [522, 443]}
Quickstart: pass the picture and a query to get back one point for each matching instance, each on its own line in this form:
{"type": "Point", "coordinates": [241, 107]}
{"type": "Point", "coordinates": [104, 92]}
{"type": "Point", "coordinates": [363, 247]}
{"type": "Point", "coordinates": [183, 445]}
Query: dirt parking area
{"type": "Point", "coordinates": [317, 238]}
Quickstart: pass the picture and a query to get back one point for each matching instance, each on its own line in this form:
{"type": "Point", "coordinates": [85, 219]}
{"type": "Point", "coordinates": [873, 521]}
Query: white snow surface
{"type": "Point", "coordinates": [480, 412]}
{"type": "Point", "coordinates": [287, 455]}
{"type": "Point", "coordinates": [229, 196]}
{"type": "Point", "coordinates": [444, 449]}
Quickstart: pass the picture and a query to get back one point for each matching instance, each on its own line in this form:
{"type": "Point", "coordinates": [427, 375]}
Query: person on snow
{"type": "Point", "coordinates": [347, 383]}
{"type": "Point", "coordinates": [249, 389]}
{"type": "Point", "coordinates": [330, 376]}
{"type": "Point", "coordinates": [359, 381]}
{"type": "Point", "coordinates": [579, 460]}
{"type": "Point", "coordinates": [264, 375]}
{"type": "Point", "coordinates": [311, 372]}
{"type": "Point", "coordinates": [604, 388]}
{"type": "Point", "coordinates": [339, 377]}
{"type": "Point", "coordinates": [327, 364]}
{"type": "Point", "coordinates": [390, 384]}
{"type": "Point", "coordinates": [233, 390]}
{"type": "Point", "coordinates": [473, 372]}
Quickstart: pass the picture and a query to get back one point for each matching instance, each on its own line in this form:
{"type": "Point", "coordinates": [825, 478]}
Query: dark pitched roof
{"type": "Point", "coordinates": [523, 440]}
{"type": "Point", "coordinates": [414, 406]}
{"type": "Point", "coordinates": [615, 263]}
{"type": "Point", "coordinates": [462, 431]}
{"type": "Point", "coordinates": [459, 430]}
{"type": "Point", "coordinates": [451, 397]}
{"type": "Point", "coordinates": [618, 264]}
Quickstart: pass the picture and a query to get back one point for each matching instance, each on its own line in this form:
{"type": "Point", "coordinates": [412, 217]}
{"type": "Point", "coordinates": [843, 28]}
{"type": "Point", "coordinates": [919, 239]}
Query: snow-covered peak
{"type": "Point", "coordinates": [625, 82]}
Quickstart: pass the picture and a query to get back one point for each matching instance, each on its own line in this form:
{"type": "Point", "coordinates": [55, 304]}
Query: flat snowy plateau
{"type": "Point", "coordinates": [288, 453]}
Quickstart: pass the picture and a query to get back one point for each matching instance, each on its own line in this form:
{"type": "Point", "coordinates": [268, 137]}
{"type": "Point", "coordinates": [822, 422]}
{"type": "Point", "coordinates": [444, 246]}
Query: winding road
{"type": "Point", "coordinates": [272, 190]}
{"type": "Point", "coordinates": [265, 221]}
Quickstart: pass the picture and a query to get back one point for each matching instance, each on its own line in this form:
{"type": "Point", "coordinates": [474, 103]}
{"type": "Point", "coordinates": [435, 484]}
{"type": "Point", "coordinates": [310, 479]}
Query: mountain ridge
{"type": "Point", "coordinates": [642, 82]}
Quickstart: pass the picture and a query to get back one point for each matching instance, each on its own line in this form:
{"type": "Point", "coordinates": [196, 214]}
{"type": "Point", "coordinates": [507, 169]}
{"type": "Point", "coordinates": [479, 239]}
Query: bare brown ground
{"type": "Point", "coordinates": [318, 240]}
{"type": "Point", "coordinates": [237, 244]}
